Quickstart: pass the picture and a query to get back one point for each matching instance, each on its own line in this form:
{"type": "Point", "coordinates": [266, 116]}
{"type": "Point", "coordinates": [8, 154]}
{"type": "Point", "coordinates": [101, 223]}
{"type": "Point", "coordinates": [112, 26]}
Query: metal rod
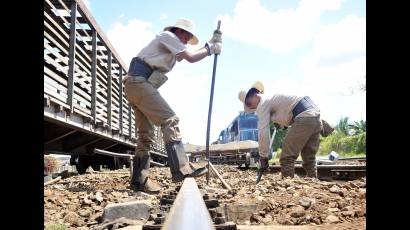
{"type": "Point", "coordinates": [189, 210]}
{"type": "Point", "coordinates": [108, 153]}
{"type": "Point", "coordinates": [210, 108]}
{"type": "Point", "coordinates": [59, 137]}
{"type": "Point", "coordinates": [219, 176]}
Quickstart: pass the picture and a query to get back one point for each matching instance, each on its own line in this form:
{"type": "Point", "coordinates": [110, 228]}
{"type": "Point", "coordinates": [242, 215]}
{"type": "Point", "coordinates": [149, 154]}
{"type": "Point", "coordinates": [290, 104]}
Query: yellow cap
{"type": "Point", "coordinates": [259, 86]}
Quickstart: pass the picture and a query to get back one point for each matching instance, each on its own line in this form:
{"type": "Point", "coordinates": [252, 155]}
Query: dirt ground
{"type": "Point", "coordinates": [78, 202]}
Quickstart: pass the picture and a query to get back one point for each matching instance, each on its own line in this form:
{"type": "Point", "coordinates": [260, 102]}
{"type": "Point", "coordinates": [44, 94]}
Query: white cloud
{"type": "Point", "coordinates": [338, 57]}
{"type": "Point", "coordinates": [281, 30]}
{"type": "Point", "coordinates": [333, 71]}
{"type": "Point", "coordinates": [128, 39]}
{"type": "Point", "coordinates": [336, 68]}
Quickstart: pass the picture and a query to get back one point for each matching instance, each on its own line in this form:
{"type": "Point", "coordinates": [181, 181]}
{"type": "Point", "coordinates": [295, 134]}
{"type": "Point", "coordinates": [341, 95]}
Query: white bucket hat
{"type": "Point", "coordinates": [242, 95]}
{"type": "Point", "coordinates": [186, 25]}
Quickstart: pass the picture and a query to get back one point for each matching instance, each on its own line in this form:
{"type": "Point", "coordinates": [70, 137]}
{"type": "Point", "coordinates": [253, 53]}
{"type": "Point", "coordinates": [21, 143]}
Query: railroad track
{"type": "Point", "coordinates": [324, 172]}
{"type": "Point", "coordinates": [184, 207]}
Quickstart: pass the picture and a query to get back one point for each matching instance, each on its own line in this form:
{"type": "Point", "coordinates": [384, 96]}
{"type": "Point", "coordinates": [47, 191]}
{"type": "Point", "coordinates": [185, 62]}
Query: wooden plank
{"type": "Point", "coordinates": [53, 93]}
{"type": "Point", "coordinates": [59, 18]}
{"type": "Point", "coordinates": [81, 111]}
{"type": "Point", "coordinates": [71, 61]}
{"type": "Point", "coordinates": [59, 88]}
{"type": "Point", "coordinates": [59, 33]}
{"type": "Point", "coordinates": [56, 92]}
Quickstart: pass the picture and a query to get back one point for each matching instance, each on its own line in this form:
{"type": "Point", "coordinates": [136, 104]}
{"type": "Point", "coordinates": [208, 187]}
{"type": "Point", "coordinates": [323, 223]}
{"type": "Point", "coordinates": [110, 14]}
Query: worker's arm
{"type": "Point", "coordinates": [208, 49]}
{"type": "Point", "coordinates": [214, 46]}
{"type": "Point", "coordinates": [264, 114]}
{"type": "Point", "coordinates": [193, 56]}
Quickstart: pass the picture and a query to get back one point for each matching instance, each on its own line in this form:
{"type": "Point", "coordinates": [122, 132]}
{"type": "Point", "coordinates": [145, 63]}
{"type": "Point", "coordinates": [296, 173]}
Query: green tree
{"type": "Point", "coordinates": [358, 126]}
{"type": "Point", "coordinates": [280, 135]}
{"type": "Point", "coordinates": [343, 126]}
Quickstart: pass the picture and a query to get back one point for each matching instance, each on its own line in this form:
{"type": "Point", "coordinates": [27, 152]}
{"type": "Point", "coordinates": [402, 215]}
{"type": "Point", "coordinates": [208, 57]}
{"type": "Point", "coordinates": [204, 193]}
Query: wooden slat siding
{"type": "Point", "coordinates": [79, 73]}
{"type": "Point", "coordinates": [55, 76]}
{"type": "Point", "coordinates": [63, 4]}
{"type": "Point", "coordinates": [52, 83]}
{"type": "Point", "coordinates": [82, 101]}
{"type": "Point", "coordinates": [55, 53]}
{"type": "Point", "coordinates": [57, 44]}
{"type": "Point", "coordinates": [121, 98]}
{"type": "Point", "coordinates": [86, 13]}
{"type": "Point", "coordinates": [58, 18]}
{"type": "Point", "coordinates": [71, 60]}
{"type": "Point", "coordinates": [82, 96]}
{"type": "Point", "coordinates": [58, 34]}
{"type": "Point", "coordinates": [80, 68]}
{"type": "Point", "coordinates": [109, 97]}
{"type": "Point", "coordinates": [58, 58]}
{"type": "Point", "coordinates": [129, 121]}
{"type": "Point", "coordinates": [79, 95]}
{"type": "Point", "coordinates": [115, 115]}
{"type": "Point", "coordinates": [56, 65]}
{"type": "Point", "coordinates": [94, 76]}
{"type": "Point", "coordinates": [53, 91]}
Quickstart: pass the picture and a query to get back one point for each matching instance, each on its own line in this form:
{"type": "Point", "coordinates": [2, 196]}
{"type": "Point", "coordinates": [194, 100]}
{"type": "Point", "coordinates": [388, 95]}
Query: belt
{"type": "Point", "coordinates": [139, 68]}
{"type": "Point", "coordinates": [304, 104]}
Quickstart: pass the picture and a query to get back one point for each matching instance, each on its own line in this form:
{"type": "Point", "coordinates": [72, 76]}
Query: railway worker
{"type": "Point", "coordinates": [300, 113]}
{"type": "Point", "coordinates": [147, 73]}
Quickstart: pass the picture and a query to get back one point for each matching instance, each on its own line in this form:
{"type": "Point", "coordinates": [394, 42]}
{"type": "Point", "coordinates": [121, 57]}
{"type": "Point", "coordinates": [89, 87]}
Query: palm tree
{"type": "Point", "coordinates": [343, 126]}
{"type": "Point", "coordinates": [358, 127]}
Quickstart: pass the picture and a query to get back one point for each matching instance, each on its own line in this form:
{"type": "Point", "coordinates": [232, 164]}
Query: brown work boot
{"type": "Point", "coordinates": [179, 165]}
{"type": "Point", "coordinates": [311, 172]}
{"type": "Point", "coordinates": [140, 180]}
{"type": "Point", "coordinates": [287, 171]}
{"type": "Point", "coordinates": [200, 168]}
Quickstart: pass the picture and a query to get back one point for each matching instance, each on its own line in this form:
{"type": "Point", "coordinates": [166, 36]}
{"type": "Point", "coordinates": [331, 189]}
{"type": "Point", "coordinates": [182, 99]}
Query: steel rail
{"type": "Point", "coordinates": [189, 210]}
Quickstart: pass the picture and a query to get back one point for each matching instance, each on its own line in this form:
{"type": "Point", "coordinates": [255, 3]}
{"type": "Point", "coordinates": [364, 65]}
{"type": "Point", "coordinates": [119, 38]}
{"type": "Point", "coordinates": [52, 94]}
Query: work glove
{"type": "Point", "coordinates": [213, 48]}
{"type": "Point", "coordinates": [216, 37]}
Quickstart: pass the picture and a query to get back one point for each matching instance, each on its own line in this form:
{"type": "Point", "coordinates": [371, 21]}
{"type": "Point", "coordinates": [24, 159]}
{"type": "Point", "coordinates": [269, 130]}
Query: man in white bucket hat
{"type": "Point", "coordinates": [147, 73]}
{"type": "Point", "coordinates": [300, 113]}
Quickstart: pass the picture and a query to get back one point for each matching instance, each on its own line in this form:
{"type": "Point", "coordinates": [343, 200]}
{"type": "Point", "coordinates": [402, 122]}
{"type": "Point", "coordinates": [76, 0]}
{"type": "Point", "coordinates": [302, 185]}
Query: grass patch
{"type": "Point", "coordinates": [55, 226]}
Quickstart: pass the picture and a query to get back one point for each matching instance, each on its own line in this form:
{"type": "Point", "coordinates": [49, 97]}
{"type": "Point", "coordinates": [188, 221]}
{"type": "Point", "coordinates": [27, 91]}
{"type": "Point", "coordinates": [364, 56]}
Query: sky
{"type": "Point", "coordinates": [313, 48]}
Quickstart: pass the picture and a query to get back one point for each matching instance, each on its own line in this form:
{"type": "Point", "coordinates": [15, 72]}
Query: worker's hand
{"type": "Point", "coordinates": [263, 161]}
{"type": "Point", "coordinates": [216, 37]}
{"type": "Point", "coordinates": [213, 48]}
